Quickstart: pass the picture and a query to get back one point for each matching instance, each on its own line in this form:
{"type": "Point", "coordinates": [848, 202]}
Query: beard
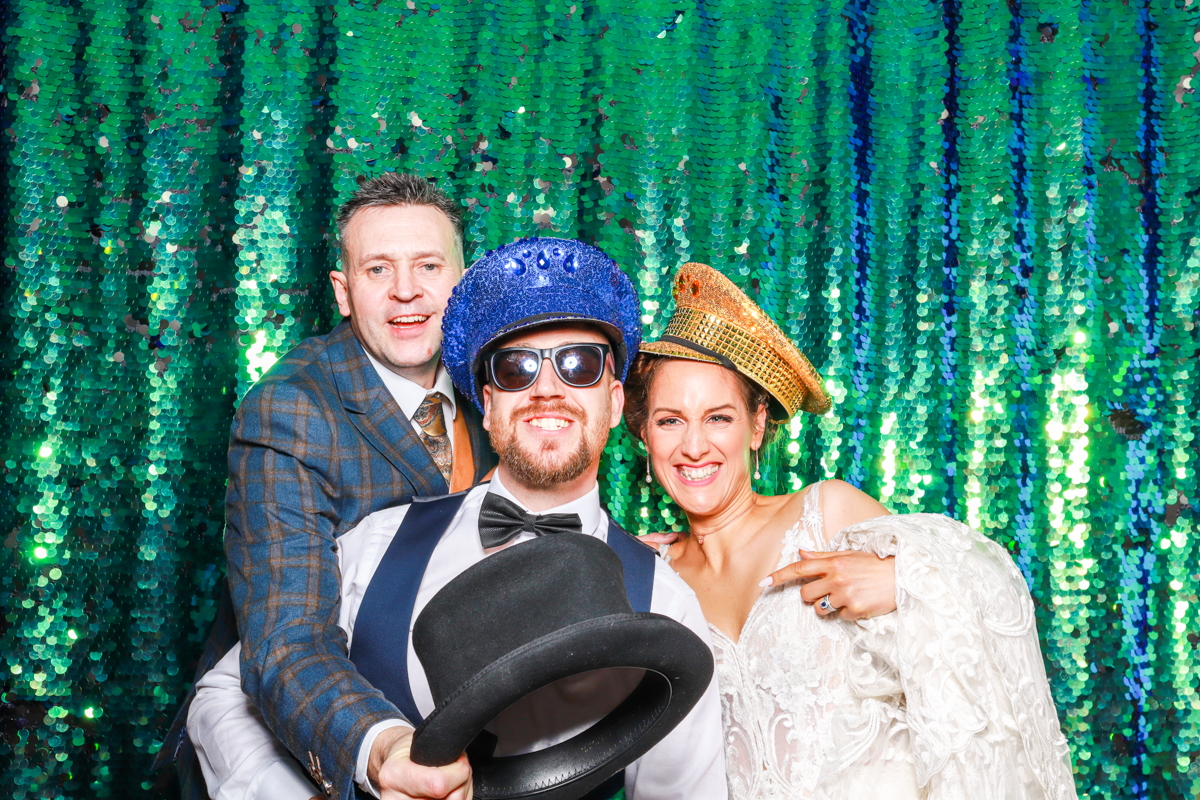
{"type": "Point", "coordinates": [550, 464]}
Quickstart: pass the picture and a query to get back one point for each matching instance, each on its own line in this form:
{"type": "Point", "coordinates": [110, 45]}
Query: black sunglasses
{"type": "Point", "coordinates": [513, 369]}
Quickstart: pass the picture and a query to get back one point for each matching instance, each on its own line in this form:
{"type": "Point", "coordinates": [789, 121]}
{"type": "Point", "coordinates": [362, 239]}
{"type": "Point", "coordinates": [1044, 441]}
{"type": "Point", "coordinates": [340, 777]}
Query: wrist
{"type": "Point", "coordinates": [389, 743]}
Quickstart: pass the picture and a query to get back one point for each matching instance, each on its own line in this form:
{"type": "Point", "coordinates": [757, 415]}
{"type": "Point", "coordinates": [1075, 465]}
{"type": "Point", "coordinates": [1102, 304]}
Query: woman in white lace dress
{"type": "Point", "coordinates": [944, 697]}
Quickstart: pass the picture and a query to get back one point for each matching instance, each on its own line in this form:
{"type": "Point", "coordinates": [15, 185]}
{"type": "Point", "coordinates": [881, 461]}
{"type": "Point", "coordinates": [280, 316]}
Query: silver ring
{"type": "Point", "coordinates": [825, 604]}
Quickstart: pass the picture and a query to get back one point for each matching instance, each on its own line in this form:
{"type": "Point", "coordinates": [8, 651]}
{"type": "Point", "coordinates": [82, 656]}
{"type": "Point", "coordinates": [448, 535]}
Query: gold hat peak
{"type": "Point", "coordinates": [714, 321]}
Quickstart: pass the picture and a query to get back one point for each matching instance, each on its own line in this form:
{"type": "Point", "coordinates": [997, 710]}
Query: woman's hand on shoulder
{"type": "Point", "coordinates": [859, 585]}
{"type": "Point", "coordinates": [655, 540]}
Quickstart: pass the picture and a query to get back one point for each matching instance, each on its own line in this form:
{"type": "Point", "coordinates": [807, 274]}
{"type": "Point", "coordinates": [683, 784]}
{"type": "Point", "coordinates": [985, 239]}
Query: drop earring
{"type": "Point", "coordinates": [649, 480]}
{"type": "Point", "coordinates": [757, 474]}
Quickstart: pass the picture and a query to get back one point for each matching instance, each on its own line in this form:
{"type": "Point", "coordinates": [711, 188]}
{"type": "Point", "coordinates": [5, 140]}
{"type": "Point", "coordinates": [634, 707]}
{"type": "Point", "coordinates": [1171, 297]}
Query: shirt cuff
{"type": "Point", "coordinates": [364, 752]}
{"type": "Point", "coordinates": [283, 780]}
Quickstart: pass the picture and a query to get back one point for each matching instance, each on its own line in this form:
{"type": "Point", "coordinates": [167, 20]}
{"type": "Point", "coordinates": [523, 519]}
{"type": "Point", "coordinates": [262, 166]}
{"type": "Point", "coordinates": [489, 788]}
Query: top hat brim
{"type": "Point", "coordinates": [678, 670]}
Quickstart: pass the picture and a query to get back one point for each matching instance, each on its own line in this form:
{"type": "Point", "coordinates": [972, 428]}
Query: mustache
{"type": "Point", "coordinates": [550, 407]}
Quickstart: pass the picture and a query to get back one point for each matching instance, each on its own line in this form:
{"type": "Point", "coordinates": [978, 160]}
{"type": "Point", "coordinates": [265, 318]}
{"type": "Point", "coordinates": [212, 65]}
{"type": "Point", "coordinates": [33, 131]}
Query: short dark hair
{"type": "Point", "coordinates": [641, 380]}
{"type": "Point", "coordinates": [397, 189]}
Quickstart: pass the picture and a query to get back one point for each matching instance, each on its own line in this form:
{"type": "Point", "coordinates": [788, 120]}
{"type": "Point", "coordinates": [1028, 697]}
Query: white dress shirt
{"type": "Point", "coordinates": [242, 760]}
{"type": "Point", "coordinates": [409, 395]}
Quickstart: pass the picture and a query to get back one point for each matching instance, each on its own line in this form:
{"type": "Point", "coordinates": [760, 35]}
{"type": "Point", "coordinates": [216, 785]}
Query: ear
{"type": "Point", "coordinates": [760, 427]}
{"type": "Point", "coordinates": [487, 407]}
{"type": "Point", "coordinates": [617, 404]}
{"type": "Point", "coordinates": [341, 291]}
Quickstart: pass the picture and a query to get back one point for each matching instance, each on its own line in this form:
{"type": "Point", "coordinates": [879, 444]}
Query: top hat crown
{"type": "Point", "coordinates": [527, 616]}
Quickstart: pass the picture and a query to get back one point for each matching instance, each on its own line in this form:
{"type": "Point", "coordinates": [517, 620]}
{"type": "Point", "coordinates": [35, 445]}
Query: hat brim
{"type": "Point", "coordinates": [678, 670]}
{"type": "Point", "coordinates": [777, 411]}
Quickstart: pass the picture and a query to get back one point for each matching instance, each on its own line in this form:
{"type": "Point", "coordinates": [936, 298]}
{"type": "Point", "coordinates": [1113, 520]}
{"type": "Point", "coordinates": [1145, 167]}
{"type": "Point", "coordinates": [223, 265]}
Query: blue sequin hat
{"type": "Point", "coordinates": [534, 282]}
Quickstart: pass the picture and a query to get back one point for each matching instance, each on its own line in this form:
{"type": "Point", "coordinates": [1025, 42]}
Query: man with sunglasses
{"type": "Point", "coordinates": [538, 335]}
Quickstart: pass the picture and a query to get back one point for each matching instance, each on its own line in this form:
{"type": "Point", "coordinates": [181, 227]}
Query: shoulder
{"type": "Point", "coordinates": [284, 413]}
{"type": "Point", "coordinates": [385, 519]}
{"type": "Point", "coordinates": [667, 583]}
{"type": "Point", "coordinates": [673, 598]}
{"type": "Point", "coordinates": [307, 367]}
{"type": "Point", "coordinates": [367, 537]}
{"type": "Point", "coordinates": [389, 519]}
{"type": "Point", "coordinates": [843, 505]}
{"type": "Point", "coordinates": [299, 383]}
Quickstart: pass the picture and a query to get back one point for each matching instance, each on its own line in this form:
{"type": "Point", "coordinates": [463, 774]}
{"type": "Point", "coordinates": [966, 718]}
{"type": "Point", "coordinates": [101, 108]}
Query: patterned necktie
{"type": "Point", "coordinates": [501, 520]}
{"type": "Point", "coordinates": [433, 433]}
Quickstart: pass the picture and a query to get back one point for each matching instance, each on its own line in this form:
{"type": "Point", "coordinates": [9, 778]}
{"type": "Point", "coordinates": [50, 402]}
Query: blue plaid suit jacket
{"type": "Point", "coordinates": [317, 445]}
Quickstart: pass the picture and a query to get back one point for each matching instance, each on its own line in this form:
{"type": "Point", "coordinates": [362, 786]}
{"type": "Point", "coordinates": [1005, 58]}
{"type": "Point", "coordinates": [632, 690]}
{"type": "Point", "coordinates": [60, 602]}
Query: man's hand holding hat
{"type": "Point", "coordinates": [398, 778]}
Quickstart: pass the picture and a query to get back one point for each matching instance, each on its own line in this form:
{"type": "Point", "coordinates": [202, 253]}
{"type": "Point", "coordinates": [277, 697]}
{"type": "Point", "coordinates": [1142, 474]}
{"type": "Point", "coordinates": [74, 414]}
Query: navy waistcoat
{"type": "Point", "coordinates": [381, 630]}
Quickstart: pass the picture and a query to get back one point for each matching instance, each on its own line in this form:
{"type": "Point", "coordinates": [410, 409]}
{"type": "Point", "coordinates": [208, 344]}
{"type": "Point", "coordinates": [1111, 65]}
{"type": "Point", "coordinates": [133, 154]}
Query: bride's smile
{"type": "Point", "coordinates": [699, 475]}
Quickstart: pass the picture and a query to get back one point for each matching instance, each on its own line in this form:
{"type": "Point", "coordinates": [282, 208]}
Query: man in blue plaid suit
{"type": "Point", "coordinates": [346, 424]}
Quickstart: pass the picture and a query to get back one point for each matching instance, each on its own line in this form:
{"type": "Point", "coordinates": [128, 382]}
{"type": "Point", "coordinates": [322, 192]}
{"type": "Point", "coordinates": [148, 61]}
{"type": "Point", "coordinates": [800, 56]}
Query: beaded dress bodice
{"type": "Point", "coordinates": [782, 682]}
{"type": "Point", "coordinates": [779, 682]}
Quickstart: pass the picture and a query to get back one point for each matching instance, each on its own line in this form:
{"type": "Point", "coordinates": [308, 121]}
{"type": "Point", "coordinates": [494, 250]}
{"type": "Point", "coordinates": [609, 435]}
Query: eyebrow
{"type": "Point", "coordinates": [395, 256]}
{"type": "Point", "coordinates": [677, 411]}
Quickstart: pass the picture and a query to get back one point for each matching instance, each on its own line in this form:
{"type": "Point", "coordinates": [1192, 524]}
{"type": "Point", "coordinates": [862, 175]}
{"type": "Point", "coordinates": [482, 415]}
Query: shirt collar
{"type": "Point", "coordinates": [591, 516]}
{"type": "Point", "coordinates": [409, 395]}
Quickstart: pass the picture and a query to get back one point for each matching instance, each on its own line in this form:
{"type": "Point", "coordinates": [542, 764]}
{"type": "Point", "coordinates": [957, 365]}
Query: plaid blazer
{"type": "Point", "coordinates": [317, 445]}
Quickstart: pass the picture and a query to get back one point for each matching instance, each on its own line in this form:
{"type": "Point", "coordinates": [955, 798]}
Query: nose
{"type": "Point", "coordinates": [405, 287]}
{"type": "Point", "coordinates": [695, 443]}
{"type": "Point", "coordinates": [547, 383]}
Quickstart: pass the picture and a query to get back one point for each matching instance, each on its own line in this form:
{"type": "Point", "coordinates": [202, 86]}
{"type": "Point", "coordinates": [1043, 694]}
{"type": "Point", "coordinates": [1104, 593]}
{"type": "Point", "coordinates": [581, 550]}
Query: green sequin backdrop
{"type": "Point", "coordinates": [977, 218]}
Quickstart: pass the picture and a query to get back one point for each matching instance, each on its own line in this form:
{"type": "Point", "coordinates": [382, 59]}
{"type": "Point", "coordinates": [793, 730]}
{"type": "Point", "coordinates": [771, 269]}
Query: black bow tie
{"type": "Point", "coordinates": [501, 520]}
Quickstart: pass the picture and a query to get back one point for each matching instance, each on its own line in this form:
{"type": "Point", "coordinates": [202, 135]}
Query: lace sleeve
{"type": "Point", "coordinates": [962, 649]}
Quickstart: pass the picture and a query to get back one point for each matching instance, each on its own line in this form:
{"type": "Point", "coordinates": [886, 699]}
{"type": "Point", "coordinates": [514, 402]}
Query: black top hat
{"type": "Point", "coordinates": [530, 615]}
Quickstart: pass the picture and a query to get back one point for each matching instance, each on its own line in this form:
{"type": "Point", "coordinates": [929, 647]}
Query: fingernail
{"type": "Point", "coordinates": [766, 581]}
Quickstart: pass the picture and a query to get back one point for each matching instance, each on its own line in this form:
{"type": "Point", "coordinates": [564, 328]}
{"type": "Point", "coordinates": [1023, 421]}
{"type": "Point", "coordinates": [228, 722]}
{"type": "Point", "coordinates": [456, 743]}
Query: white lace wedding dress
{"type": "Point", "coordinates": [945, 698]}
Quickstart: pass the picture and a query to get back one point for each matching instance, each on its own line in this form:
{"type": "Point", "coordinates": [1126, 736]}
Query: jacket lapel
{"type": "Point", "coordinates": [373, 411]}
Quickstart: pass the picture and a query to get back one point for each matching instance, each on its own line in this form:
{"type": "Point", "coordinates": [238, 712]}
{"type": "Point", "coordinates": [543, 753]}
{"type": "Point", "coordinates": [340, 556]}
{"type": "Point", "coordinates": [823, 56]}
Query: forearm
{"type": "Point", "coordinates": [963, 648]}
{"type": "Point", "coordinates": [310, 693]}
{"type": "Point", "coordinates": [285, 584]}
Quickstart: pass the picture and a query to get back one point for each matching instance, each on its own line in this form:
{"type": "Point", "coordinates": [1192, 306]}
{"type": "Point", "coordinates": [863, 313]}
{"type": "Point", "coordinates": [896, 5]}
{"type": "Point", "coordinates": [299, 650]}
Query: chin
{"type": "Point", "coordinates": [410, 354]}
{"type": "Point", "coordinates": [694, 500]}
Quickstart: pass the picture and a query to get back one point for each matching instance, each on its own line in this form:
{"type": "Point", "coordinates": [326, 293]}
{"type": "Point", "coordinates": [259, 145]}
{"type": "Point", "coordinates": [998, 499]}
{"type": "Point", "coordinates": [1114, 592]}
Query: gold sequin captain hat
{"type": "Point", "coordinates": [714, 321]}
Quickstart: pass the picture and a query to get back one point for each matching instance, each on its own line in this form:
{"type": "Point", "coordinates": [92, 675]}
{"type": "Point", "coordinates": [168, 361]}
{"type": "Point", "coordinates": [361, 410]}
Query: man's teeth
{"type": "Point", "coordinates": [410, 319]}
{"type": "Point", "coordinates": [549, 423]}
{"type": "Point", "coordinates": [698, 474]}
